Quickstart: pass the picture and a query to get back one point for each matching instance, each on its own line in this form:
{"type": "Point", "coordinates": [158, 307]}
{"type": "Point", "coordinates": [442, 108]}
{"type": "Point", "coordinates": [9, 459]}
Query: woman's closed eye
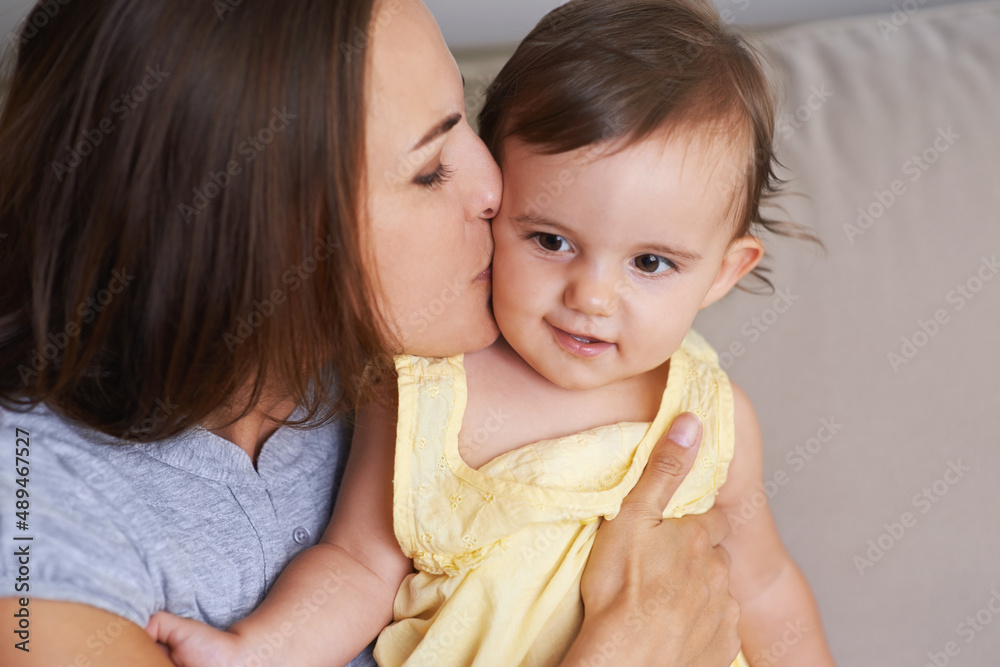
{"type": "Point", "coordinates": [550, 242]}
{"type": "Point", "coordinates": [653, 265]}
{"type": "Point", "coordinates": [436, 178]}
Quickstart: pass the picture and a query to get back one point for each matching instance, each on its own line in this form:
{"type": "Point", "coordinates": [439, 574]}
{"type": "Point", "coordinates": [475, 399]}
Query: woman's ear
{"type": "Point", "coordinates": [742, 256]}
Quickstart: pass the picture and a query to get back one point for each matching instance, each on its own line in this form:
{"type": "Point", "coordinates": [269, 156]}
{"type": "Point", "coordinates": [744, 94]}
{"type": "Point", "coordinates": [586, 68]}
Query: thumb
{"type": "Point", "coordinates": [668, 465]}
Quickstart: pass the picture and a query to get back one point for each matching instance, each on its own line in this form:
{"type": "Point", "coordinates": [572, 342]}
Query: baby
{"type": "Point", "coordinates": [635, 137]}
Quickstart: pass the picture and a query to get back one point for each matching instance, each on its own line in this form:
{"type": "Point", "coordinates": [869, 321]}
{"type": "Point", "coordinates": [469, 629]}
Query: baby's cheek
{"type": "Point", "coordinates": [508, 272]}
{"type": "Point", "coordinates": [506, 300]}
{"type": "Point", "coordinates": [660, 343]}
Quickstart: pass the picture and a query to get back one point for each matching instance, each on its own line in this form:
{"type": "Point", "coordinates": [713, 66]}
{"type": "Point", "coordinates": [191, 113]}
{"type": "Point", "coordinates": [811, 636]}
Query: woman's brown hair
{"type": "Point", "coordinates": [596, 71]}
{"type": "Point", "coordinates": [179, 199]}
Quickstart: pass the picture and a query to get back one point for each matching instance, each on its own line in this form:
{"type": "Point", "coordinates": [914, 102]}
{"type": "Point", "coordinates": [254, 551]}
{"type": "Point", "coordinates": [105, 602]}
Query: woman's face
{"type": "Point", "coordinates": [432, 189]}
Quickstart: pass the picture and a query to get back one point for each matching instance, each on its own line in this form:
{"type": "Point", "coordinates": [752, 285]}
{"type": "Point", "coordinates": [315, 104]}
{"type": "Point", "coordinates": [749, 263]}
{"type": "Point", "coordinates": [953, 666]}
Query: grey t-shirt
{"type": "Point", "coordinates": [186, 525]}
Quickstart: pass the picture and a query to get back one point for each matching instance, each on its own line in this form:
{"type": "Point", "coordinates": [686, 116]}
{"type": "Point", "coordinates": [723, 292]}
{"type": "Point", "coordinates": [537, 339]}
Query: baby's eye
{"type": "Point", "coordinates": [653, 264]}
{"type": "Point", "coordinates": [551, 242]}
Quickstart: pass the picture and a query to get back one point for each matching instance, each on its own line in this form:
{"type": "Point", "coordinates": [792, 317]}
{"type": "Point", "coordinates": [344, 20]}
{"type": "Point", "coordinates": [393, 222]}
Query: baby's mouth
{"type": "Point", "coordinates": [587, 347]}
{"type": "Point", "coordinates": [584, 339]}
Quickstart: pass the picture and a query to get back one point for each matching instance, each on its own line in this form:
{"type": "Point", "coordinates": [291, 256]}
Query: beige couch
{"type": "Point", "coordinates": [876, 368]}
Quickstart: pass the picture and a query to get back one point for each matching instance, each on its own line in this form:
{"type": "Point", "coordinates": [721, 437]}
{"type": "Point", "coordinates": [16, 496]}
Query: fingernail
{"type": "Point", "coordinates": [684, 430]}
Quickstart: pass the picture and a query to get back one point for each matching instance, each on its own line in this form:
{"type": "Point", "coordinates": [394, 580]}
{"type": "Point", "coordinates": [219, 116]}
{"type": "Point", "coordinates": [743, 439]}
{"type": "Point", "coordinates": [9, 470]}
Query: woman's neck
{"type": "Point", "coordinates": [249, 433]}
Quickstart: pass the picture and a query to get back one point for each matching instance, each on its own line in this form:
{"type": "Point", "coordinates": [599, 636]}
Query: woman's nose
{"type": "Point", "coordinates": [485, 185]}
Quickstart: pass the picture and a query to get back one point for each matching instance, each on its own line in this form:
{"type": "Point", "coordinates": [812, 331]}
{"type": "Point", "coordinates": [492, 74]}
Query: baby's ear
{"type": "Point", "coordinates": [742, 256]}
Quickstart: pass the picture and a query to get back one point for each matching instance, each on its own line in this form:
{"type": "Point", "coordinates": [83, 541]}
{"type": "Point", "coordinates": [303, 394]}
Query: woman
{"type": "Point", "coordinates": [218, 215]}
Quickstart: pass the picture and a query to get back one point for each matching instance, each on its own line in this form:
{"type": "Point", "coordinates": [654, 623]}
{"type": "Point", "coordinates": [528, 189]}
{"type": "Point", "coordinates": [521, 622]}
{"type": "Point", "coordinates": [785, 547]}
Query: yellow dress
{"type": "Point", "coordinates": [499, 551]}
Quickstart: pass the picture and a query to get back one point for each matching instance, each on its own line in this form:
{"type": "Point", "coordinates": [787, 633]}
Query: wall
{"type": "Point", "coordinates": [11, 13]}
{"type": "Point", "coordinates": [471, 24]}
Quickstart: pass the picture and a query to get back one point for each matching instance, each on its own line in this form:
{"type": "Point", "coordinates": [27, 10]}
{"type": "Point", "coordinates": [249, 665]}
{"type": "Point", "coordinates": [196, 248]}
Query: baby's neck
{"type": "Point", "coordinates": [511, 405]}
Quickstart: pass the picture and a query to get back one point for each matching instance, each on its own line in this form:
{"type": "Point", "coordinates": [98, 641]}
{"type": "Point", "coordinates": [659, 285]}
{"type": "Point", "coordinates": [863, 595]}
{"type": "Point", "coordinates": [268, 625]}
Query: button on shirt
{"type": "Point", "coordinates": [187, 525]}
{"type": "Point", "coordinates": [301, 536]}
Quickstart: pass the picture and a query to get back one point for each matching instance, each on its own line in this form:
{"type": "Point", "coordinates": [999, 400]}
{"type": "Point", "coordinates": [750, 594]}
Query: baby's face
{"type": "Point", "coordinates": [603, 259]}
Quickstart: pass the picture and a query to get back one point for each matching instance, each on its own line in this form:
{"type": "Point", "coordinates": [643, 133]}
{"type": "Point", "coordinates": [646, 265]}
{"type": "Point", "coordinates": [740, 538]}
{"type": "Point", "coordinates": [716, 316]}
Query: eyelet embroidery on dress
{"type": "Point", "coordinates": [456, 552]}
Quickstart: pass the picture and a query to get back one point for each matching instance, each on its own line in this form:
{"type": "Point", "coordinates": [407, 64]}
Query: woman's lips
{"type": "Point", "coordinates": [580, 345]}
{"type": "Point", "coordinates": [486, 275]}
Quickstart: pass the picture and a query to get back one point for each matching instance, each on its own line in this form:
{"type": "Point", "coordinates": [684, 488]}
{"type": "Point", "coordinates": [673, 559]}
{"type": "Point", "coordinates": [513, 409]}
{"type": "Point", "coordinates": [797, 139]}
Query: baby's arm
{"type": "Point", "coordinates": [335, 597]}
{"type": "Point", "coordinates": [779, 614]}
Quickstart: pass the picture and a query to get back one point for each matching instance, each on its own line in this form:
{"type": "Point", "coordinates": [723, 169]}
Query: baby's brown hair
{"type": "Point", "coordinates": [595, 71]}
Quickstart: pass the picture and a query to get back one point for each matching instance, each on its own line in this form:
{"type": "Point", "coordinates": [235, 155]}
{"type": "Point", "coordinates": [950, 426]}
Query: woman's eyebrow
{"type": "Point", "coordinates": [439, 129]}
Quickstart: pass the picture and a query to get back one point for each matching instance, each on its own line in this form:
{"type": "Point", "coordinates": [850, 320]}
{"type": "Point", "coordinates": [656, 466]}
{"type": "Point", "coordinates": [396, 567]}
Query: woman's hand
{"type": "Point", "coordinates": [657, 592]}
{"type": "Point", "coordinates": [194, 644]}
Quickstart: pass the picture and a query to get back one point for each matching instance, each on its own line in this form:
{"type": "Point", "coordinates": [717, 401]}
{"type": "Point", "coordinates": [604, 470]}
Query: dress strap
{"type": "Point", "coordinates": [708, 394]}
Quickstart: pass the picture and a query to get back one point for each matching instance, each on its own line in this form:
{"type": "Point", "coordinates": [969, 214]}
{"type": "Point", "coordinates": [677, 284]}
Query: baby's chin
{"type": "Point", "coordinates": [568, 375]}
{"type": "Point", "coordinates": [574, 380]}
{"type": "Point", "coordinates": [574, 384]}
{"type": "Point", "coordinates": [559, 374]}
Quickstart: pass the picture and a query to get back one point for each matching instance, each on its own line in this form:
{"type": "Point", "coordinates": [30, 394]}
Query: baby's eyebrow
{"type": "Point", "coordinates": [527, 219]}
{"type": "Point", "coordinates": [672, 251]}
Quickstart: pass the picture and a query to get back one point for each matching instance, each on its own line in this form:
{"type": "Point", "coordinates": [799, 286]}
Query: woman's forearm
{"type": "Point", "coordinates": [69, 633]}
